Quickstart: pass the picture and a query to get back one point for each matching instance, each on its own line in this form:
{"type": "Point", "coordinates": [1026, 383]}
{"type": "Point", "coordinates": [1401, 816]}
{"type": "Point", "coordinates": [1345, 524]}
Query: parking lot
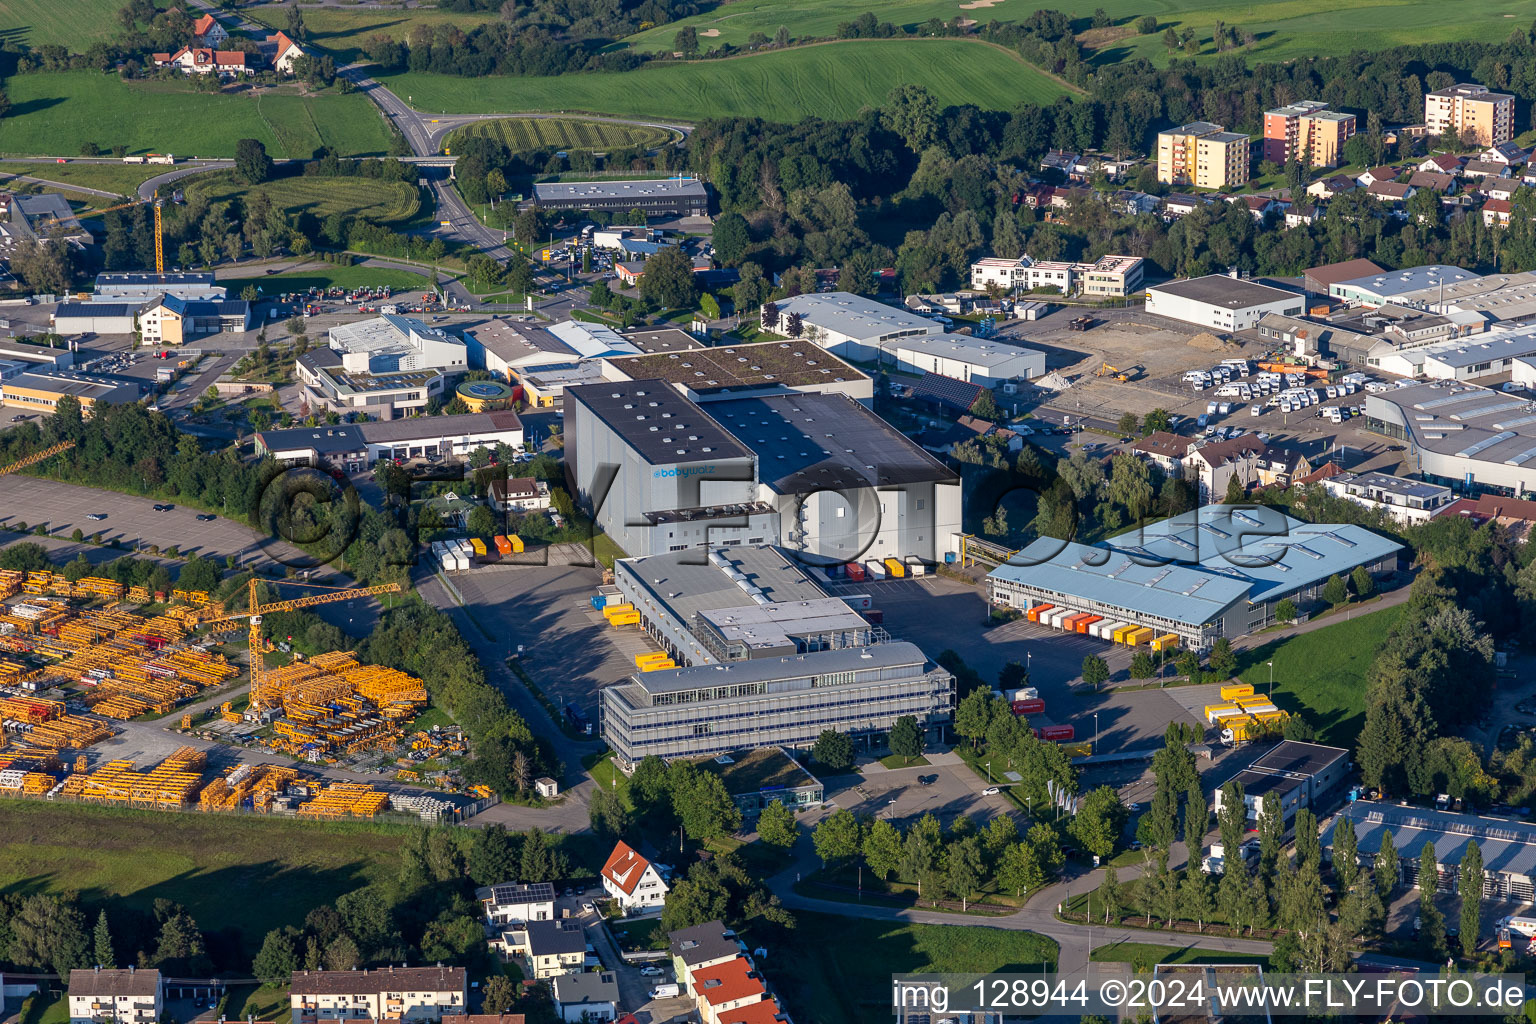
{"type": "Point", "coordinates": [946, 789]}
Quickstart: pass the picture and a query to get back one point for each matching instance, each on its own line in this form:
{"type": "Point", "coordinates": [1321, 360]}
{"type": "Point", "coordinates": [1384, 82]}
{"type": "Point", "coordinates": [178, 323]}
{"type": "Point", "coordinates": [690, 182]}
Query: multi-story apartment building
{"type": "Point", "coordinates": [1202, 154]}
{"type": "Point", "coordinates": [401, 994]}
{"type": "Point", "coordinates": [1307, 131]}
{"type": "Point", "coordinates": [1109, 276]}
{"type": "Point", "coordinates": [1471, 111]}
{"type": "Point", "coordinates": [103, 996]}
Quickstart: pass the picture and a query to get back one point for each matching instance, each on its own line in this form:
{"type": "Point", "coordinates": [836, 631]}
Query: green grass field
{"type": "Point", "coordinates": [246, 874]}
{"type": "Point", "coordinates": [119, 179]}
{"type": "Point", "coordinates": [341, 30]}
{"type": "Point", "coordinates": [1284, 29]}
{"type": "Point", "coordinates": [385, 202]}
{"type": "Point", "coordinates": [1145, 955]}
{"type": "Point", "coordinates": [72, 23]}
{"type": "Point", "coordinates": [521, 134]}
{"type": "Point", "coordinates": [55, 113]}
{"type": "Point", "coordinates": [832, 81]}
{"type": "Point", "coordinates": [1322, 673]}
{"type": "Point", "coordinates": [324, 275]}
{"type": "Point", "coordinates": [839, 968]}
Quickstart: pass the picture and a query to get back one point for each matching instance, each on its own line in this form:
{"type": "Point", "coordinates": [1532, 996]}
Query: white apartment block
{"type": "Point", "coordinates": [383, 993]}
{"type": "Point", "coordinates": [1107, 277]}
{"type": "Point", "coordinates": [106, 996]}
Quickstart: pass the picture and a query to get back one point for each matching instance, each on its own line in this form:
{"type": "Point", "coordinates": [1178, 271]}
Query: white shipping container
{"type": "Point", "coordinates": [876, 568]}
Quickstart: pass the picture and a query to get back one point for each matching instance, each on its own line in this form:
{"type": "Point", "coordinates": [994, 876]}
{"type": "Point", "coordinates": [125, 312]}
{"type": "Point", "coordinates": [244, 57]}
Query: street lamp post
{"type": "Point", "coordinates": [989, 773]}
{"type": "Point", "coordinates": [1095, 732]}
{"type": "Point", "coordinates": [1271, 679]}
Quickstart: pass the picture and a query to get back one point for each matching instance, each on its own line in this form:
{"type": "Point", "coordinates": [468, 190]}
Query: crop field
{"type": "Point", "coordinates": [340, 31]}
{"type": "Point", "coordinates": [1283, 29]}
{"type": "Point", "coordinates": [384, 202]}
{"type": "Point", "coordinates": [72, 23]}
{"type": "Point", "coordinates": [246, 874]}
{"type": "Point", "coordinates": [832, 81]}
{"type": "Point", "coordinates": [55, 113]}
{"type": "Point", "coordinates": [523, 134]}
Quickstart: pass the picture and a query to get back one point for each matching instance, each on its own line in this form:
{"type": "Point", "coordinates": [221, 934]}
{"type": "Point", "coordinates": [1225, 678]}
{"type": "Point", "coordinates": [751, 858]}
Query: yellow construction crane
{"type": "Point", "coordinates": [36, 457]}
{"type": "Point", "coordinates": [261, 700]}
{"type": "Point", "coordinates": [53, 222]}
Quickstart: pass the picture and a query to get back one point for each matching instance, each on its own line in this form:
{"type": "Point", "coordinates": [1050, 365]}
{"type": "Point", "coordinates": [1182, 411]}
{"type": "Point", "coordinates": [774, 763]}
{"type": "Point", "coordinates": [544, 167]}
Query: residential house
{"type": "Point", "coordinates": [504, 904]}
{"type": "Point", "coordinates": [726, 987]}
{"type": "Point", "coordinates": [1496, 213]}
{"type": "Point", "coordinates": [282, 53]}
{"type": "Point", "coordinates": [546, 949]}
{"type": "Point", "coordinates": [1499, 188]}
{"type": "Point", "coordinates": [1485, 169]}
{"type": "Point", "coordinates": [396, 993]}
{"type": "Point", "coordinates": [1517, 514]}
{"type": "Point", "coordinates": [1437, 180]}
{"type": "Point", "coordinates": [1252, 462]}
{"type": "Point", "coordinates": [171, 320]}
{"type": "Point", "coordinates": [208, 33]}
{"type": "Point", "coordinates": [1037, 196]}
{"type": "Point", "coordinates": [492, 1018]}
{"type": "Point", "coordinates": [518, 494]}
{"type": "Point", "coordinates": [1333, 185]}
{"type": "Point", "coordinates": [1179, 205]}
{"type": "Point", "coordinates": [1393, 194]}
{"type": "Point", "coordinates": [1442, 163]}
{"type": "Point", "coordinates": [203, 60]}
{"type": "Point", "coordinates": [765, 1012]}
{"type": "Point", "coordinates": [1299, 214]}
{"type": "Point", "coordinates": [1165, 450]}
{"type": "Point", "coordinates": [1504, 153]}
{"type": "Point", "coordinates": [1407, 501]}
{"type": "Point", "coordinates": [130, 996]}
{"type": "Point", "coordinates": [1130, 202]}
{"type": "Point", "coordinates": [1059, 160]}
{"type": "Point", "coordinates": [1375, 174]}
{"type": "Point", "coordinates": [700, 948]}
{"type": "Point", "coordinates": [630, 273]}
{"type": "Point", "coordinates": [590, 996]}
{"type": "Point", "coordinates": [1259, 207]}
{"type": "Point", "coordinates": [633, 881]}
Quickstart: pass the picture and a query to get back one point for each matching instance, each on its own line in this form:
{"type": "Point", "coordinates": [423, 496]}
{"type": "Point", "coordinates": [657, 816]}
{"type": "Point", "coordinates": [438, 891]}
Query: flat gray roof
{"type": "Point", "coordinates": [772, 625]}
{"type": "Point", "coordinates": [1390, 484]}
{"type": "Point", "coordinates": [1298, 758]}
{"type": "Point", "coordinates": [685, 582]}
{"type": "Point", "coordinates": [63, 382]}
{"type": "Point", "coordinates": [1482, 348]}
{"type": "Point", "coordinates": [790, 363]}
{"type": "Point", "coordinates": [668, 339]}
{"type": "Point", "coordinates": [854, 315]}
{"type": "Point", "coordinates": [805, 442]}
{"type": "Point", "coordinates": [1410, 279]}
{"type": "Point", "coordinates": [510, 341]}
{"type": "Point", "coordinates": [661, 425]}
{"type": "Point", "coordinates": [1195, 566]}
{"type": "Point", "coordinates": [977, 351]}
{"type": "Point", "coordinates": [1508, 846]}
{"type": "Point", "coordinates": [1463, 420]}
{"type": "Point", "coordinates": [762, 670]}
{"type": "Point", "coordinates": [1226, 292]}
{"type": "Point", "coordinates": [559, 191]}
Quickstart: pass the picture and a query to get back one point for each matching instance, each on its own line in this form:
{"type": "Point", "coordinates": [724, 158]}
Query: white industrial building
{"type": "Point", "coordinates": [356, 446]}
{"type": "Point", "coordinates": [1490, 354]}
{"type": "Point", "coordinates": [394, 344]}
{"type": "Point", "coordinates": [1220, 302]}
{"type": "Point", "coordinates": [963, 357]}
{"type": "Point", "coordinates": [852, 326]}
{"type": "Point", "coordinates": [141, 287]}
{"type": "Point", "coordinates": [1297, 774]}
{"type": "Point", "coordinates": [817, 473]}
{"type": "Point", "coordinates": [95, 317]}
{"type": "Point", "coordinates": [508, 347]}
{"type": "Point", "coordinates": [1461, 435]}
{"type": "Point", "coordinates": [1409, 286]}
{"type": "Point", "coordinates": [1407, 501]}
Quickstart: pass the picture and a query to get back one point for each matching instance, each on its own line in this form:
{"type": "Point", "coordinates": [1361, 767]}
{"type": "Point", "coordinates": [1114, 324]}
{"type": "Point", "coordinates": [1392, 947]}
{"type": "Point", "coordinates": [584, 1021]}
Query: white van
{"type": "Point", "coordinates": [1254, 410]}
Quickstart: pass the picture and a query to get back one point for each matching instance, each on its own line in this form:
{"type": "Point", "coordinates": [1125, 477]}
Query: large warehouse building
{"type": "Point", "coordinates": [852, 326]}
{"type": "Point", "coordinates": [964, 358]}
{"type": "Point", "coordinates": [1461, 435]}
{"type": "Point", "coordinates": [740, 371]}
{"type": "Point", "coordinates": [817, 473]}
{"type": "Point", "coordinates": [1220, 302]}
{"type": "Point", "coordinates": [661, 197]}
{"type": "Point", "coordinates": [1508, 847]}
{"type": "Point", "coordinates": [1218, 571]}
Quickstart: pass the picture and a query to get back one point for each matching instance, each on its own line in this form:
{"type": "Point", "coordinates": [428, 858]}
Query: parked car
{"type": "Point", "coordinates": [588, 908]}
{"type": "Point", "coordinates": [991, 791]}
{"type": "Point", "coordinates": [96, 517]}
{"type": "Point", "coordinates": [164, 508]}
{"type": "Point", "coordinates": [206, 517]}
{"type": "Point", "coordinates": [652, 972]}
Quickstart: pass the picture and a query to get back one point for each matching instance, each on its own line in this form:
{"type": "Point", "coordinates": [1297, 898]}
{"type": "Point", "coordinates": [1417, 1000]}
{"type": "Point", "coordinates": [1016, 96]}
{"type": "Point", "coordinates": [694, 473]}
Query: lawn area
{"type": "Point", "coordinates": [40, 1009]}
{"type": "Point", "coordinates": [54, 113]}
{"type": "Point", "coordinates": [241, 875]}
{"type": "Point", "coordinates": [341, 30]}
{"type": "Point", "coordinates": [521, 134]}
{"type": "Point", "coordinates": [261, 1002]}
{"type": "Point", "coordinates": [839, 968]}
{"type": "Point", "coordinates": [1322, 673]}
{"type": "Point", "coordinates": [1284, 29]}
{"type": "Point", "coordinates": [832, 81]}
{"type": "Point", "coordinates": [120, 179]}
{"type": "Point", "coordinates": [1145, 955]}
{"type": "Point", "coordinates": [383, 202]}
{"type": "Point", "coordinates": [897, 761]}
{"type": "Point", "coordinates": [606, 774]}
{"type": "Point", "coordinates": [325, 275]}
{"type": "Point", "coordinates": [645, 933]}
{"type": "Point", "coordinates": [72, 23]}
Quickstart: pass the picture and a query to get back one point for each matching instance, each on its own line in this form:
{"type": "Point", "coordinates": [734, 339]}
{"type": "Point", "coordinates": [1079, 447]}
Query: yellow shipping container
{"type": "Point", "coordinates": [610, 610]}
{"type": "Point", "coordinates": [642, 659]}
{"type": "Point", "coordinates": [1237, 690]}
{"type": "Point", "coordinates": [517, 543]}
{"type": "Point", "coordinates": [1119, 634]}
{"type": "Point", "coordinates": [1139, 636]}
{"type": "Point", "coordinates": [1211, 710]}
{"type": "Point", "coordinates": [656, 666]}
{"type": "Point", "coordinates": [1249, 701]}
{"type": "Point", "coordinates": [1167, 642]}
{"type": "Point", "coordinates": [625, 619]}
{"type": "Point", "coordinates": [895, 568]}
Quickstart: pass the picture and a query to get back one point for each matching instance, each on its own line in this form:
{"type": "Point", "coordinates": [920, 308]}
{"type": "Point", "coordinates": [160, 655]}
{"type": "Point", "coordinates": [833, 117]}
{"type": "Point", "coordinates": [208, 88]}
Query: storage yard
{"type": "Point", "coordinates": [75, 662]}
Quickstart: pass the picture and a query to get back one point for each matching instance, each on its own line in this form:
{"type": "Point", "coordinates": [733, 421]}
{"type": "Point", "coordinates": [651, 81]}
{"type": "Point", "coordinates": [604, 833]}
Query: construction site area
{"type": "Point", "coordinates": [89, 667]}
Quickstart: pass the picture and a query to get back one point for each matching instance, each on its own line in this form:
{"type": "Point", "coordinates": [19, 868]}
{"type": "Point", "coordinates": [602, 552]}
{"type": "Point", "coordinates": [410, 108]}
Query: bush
{"type": "Point", "coordinates": [77, 536]}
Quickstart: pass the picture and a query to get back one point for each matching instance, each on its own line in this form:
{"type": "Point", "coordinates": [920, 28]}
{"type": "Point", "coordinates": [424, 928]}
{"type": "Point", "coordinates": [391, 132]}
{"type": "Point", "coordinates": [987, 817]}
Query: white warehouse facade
{"type": "Point", "coordinates": [1221, 303]}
